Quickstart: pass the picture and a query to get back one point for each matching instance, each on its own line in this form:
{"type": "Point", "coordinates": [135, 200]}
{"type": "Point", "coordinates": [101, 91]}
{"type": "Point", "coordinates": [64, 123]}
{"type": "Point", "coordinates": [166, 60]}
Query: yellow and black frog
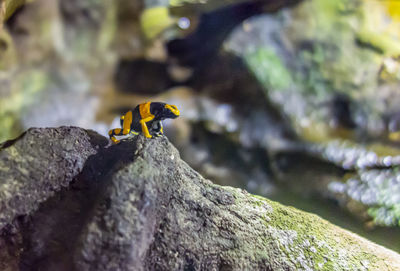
{"type": "Point", "coordinates": [145, 118]}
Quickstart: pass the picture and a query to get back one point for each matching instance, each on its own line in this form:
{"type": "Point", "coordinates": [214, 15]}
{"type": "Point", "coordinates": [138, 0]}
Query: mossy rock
{"type": "Point", "coordinates": [137, 206]}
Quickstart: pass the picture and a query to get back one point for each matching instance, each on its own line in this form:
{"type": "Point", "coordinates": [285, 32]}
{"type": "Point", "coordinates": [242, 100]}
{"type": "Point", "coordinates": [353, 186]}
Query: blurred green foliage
{"type": "Point", "coordinates": [269, 69]}
{"type": "Point", "coordinates": [155, 20]}
{"type": "Point", "coordinates": [25, 88]}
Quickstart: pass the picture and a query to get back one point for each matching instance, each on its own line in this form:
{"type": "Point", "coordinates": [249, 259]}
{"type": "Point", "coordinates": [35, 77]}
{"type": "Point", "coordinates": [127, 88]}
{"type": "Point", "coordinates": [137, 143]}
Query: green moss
{"type": "Point", "coordinates": [9, 126]}
{"type": "Point", "coordinates": [269, 69]}
{"type": "Point", "coordinates": [315, 239]}
{"type": "Point", "coordinates": [324, 44]}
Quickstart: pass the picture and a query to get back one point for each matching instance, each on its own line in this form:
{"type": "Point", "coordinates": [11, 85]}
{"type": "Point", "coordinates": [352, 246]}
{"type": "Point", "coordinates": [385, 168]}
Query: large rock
{"type": "Point", "coordinates": [38, 163]}
{"type": "Point", "coordinates": [138, 206]}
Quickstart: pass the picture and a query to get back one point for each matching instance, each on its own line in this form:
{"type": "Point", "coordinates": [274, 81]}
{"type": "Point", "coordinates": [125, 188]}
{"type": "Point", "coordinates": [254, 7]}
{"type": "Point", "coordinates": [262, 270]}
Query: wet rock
{"type": "Point", "coordinates": [138, 206]}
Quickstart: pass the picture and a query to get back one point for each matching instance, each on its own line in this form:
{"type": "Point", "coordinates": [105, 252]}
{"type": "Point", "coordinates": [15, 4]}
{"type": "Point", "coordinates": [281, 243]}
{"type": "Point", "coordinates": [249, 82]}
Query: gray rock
{"type": "Point", "coordinates": [138, 206]}
{"type": "Point", "coordinates": [37, 164]}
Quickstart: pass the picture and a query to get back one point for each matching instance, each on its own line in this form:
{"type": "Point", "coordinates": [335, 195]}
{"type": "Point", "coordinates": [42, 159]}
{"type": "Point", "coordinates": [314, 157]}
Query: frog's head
{"type": "Point", "coordinates": [171, 111]}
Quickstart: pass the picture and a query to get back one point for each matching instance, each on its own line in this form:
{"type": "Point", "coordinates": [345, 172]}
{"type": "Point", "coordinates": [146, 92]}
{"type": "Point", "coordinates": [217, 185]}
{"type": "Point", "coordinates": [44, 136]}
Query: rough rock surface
{"type": "Point", "coordinates": [38, 163]}
{"type": "Point", "coordinates": [138, 206]}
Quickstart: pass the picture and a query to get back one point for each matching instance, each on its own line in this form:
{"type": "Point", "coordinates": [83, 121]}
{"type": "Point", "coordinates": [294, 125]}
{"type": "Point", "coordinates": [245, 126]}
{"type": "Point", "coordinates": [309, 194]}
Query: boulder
{"type": "Point", "coordinates": [137, 206]}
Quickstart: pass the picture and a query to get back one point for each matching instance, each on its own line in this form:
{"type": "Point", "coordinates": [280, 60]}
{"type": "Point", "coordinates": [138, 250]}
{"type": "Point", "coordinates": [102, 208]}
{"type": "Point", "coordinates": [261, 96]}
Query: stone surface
{"type": "Point", "coordinates": [37, 164]}
{"type": "Point", "coordinates": [138, 206]}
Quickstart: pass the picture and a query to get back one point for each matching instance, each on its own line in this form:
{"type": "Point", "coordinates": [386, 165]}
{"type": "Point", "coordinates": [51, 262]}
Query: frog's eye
{"type": "Point", "coordinates": [174, 107]}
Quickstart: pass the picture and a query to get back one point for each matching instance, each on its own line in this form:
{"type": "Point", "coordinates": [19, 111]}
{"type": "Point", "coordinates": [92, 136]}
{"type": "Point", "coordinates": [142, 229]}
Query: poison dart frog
{"type": "Point", "coordinates": [144, 118]}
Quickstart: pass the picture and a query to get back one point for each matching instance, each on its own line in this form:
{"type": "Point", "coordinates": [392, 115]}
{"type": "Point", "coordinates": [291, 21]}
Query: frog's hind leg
{"type": "Point", "coordinates": [112, 133]}
{"type": "Point", "coordinates": [125, 121]}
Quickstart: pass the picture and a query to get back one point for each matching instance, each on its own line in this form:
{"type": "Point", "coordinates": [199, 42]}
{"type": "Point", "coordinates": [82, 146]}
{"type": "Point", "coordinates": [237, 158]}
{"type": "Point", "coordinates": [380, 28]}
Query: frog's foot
{"type": "Point", "coordinates": [112, 133]}
{"type": "Point", "coordinates": [159, 134]}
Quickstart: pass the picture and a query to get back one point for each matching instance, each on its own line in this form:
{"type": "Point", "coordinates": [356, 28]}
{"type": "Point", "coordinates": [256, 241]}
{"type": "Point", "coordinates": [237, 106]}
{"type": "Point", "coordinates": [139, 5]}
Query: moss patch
{"type": "Point", "coordinates": [269, 69]}
{"type": "Point", "coordinates": [306, 236]}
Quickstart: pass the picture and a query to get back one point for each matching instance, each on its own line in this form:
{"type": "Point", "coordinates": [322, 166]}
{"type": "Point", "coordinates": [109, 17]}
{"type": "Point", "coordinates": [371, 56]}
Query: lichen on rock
{"type": "Point", "coordinates": [137, 206]}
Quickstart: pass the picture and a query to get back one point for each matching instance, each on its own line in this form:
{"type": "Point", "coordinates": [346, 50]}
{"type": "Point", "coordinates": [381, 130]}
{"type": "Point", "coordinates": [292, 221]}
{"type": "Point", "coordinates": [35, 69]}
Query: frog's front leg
{"type": "Point", "coordinates": [145, 129]}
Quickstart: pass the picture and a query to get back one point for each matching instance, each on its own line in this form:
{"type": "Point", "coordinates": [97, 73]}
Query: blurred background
{"type": "Point", "coordinates": [297, 101]}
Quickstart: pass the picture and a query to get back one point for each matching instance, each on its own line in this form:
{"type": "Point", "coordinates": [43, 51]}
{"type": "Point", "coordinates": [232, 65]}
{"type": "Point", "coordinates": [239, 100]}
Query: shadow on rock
{"type": "Point", "coordinates": [51, 235]}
